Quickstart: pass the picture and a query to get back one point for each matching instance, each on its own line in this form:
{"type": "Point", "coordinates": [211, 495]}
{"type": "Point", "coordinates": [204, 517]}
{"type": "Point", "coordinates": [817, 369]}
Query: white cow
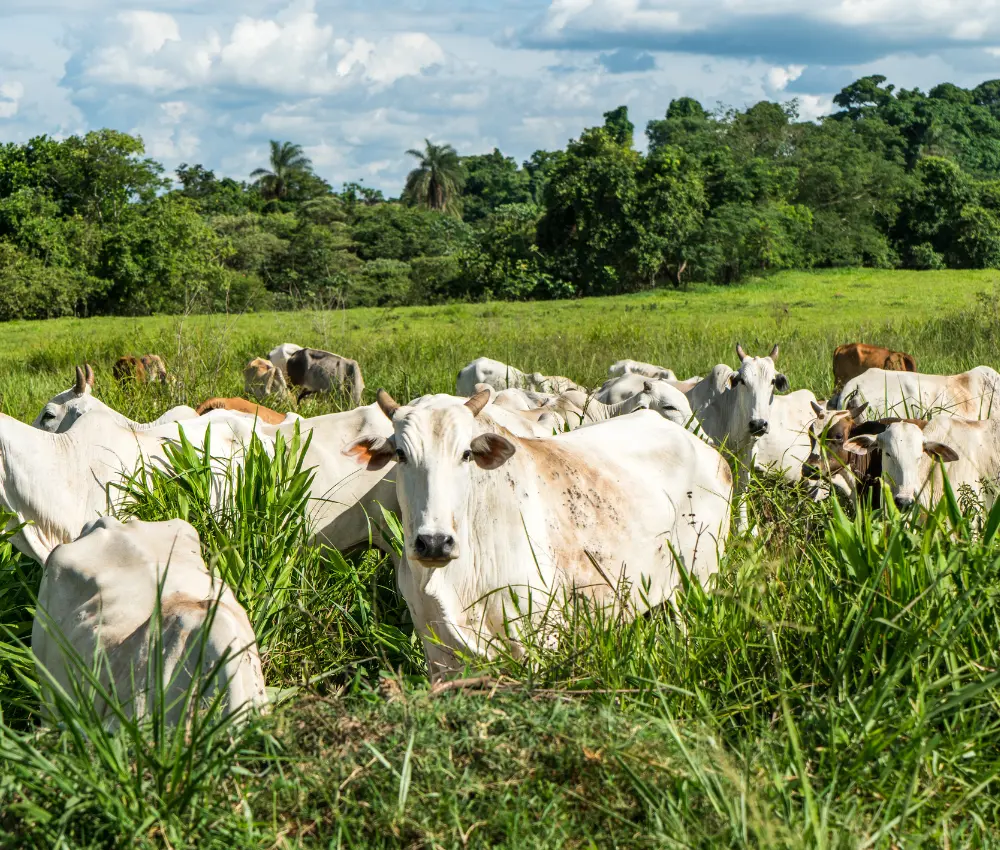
{"type": "Point", "coordinates": [96, 611]}
{"type": "Point", "coordinates": [67, 407]}
{"type": "Point", "coordinates": [500, 376]}
{"type": "Point", "coordinates": [490, 518]}
{"type": "Point", "coordinates": [787, 444]}
{"type": "Point", "coordinates": [974, 394]}
{"type": "Point", "coordinates": [969, 447]}
{"type": "Point", "coordinates": [59, 483]}
{"type": "Point", "coordinates": [517, 399]}
{"type": "Point", "coordinates": [648, 370]}
{"type": "Point", "coordinates": [279, 355]}
{"type": "Point", "coordinates": [734, 408]}
{"type": "Point", "coordinates": [579, 409]}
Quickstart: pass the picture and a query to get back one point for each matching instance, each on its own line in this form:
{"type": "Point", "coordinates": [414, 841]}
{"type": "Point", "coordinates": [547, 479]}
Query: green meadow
{"type": "Point", "coordinates": [837, 686]}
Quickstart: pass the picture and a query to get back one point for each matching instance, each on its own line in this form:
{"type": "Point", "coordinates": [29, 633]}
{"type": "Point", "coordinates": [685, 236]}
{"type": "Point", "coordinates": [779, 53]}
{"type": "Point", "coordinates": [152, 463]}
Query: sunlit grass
{"type": "Point", "coordinates": [836, 686]}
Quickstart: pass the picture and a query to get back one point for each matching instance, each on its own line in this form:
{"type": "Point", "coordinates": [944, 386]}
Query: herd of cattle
{"type": "Point", "coordinates": [519, 489]}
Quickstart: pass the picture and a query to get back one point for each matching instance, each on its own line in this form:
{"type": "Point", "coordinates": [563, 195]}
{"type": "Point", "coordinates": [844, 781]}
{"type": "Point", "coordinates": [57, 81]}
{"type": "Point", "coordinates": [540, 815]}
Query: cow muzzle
{"type": "Point", "coordinates": [435, 549]}
{"type": "Point", "coordinates": [758, 427]}
{"type": "Point", "coordinates": [904, 503]}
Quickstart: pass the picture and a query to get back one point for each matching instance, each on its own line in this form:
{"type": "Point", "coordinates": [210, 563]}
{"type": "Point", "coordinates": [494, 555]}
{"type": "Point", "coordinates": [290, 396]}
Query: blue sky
{"type": "Point", "coordinates": [357, 83]}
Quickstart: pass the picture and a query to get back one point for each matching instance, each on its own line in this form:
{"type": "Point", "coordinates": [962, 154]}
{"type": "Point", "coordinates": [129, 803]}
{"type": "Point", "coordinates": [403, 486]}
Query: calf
{"type": "Point", "coordinates": [319, 371]}
{"type": "Point", "coordinates": [856, 358]}
{"type": "Point", "coordinates": [147, 369]}
{"type": "Point", "coordinates": [262, 379]}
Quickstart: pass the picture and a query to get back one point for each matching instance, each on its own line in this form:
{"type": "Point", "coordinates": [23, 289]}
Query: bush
{"type": "Point", "coordinates": [29, 289]}
{"type": "Point", "coordinates": [925, 258]}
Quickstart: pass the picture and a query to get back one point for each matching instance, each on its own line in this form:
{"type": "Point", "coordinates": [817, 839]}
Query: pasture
{"type": "Point", "coordinates": [837, 686]}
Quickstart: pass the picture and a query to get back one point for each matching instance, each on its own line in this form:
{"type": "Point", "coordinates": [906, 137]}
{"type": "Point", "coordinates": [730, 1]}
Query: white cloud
{"type": "Point", "coordinates": [293, 53]}
{"type": "Point", "coordinates": [778, 78]}
{"type": "Point", "coordinates": [10, 98]}
{"type": "Point", "coordinates": [812, 107]}
{"type": "Point", "coordinates": [359, 83]}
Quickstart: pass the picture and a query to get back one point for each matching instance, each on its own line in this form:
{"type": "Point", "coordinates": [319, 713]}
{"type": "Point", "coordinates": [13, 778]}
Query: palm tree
{"type": "Point", "coordinates": [437, 182]}
{"type": "Point", "coordinates": [287, 163]}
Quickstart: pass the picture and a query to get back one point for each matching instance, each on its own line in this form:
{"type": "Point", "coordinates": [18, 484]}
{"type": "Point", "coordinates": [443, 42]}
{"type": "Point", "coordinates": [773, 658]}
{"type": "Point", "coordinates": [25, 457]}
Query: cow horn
{"type": "Point", "coordinates": [80, 387]}
{"type": "Point", "coordinates": [88, 372]}
{"type": "Point", "coordinates": [740, 352]}
{"type": "Point", "coordinates": [478, 402]}
{"type": "Point", "coordinates": [774, 352]}
{"type": "Point", "coordinates": [386, 402]}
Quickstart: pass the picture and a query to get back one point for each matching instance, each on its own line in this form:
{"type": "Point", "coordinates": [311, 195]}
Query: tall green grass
{"type": "Point", "coordinates": [836, 685]}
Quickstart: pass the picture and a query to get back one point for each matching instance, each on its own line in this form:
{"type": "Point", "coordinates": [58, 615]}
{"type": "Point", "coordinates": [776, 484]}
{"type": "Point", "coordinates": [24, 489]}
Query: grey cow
{"type": "Point", "coordinates": [319, 371]}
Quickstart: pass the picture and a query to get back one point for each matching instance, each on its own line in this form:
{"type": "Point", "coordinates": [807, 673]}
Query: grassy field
{"type": "Point", "coordinates": [836, 687]}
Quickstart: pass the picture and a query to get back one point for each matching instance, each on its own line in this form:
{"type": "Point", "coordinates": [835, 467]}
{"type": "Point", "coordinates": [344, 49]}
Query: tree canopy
{"type": "Point", "coordinates": [893, 178]}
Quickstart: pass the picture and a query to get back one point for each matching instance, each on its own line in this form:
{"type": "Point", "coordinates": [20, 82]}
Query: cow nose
{"type": "Point", "coordinates": [434, 547]}
{"type": "Point", "coordinates": [904, 503]}
{"type": "Point", "coordinates": [758, 427]}
{"type": "Point", "coordinates": [809, 471]}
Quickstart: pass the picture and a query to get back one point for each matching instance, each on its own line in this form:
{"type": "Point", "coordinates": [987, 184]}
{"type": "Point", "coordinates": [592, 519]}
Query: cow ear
{"type": "Point", "coordinates": [491, 451]}
{"type": "Point", "coordinates": [781, 383]}
{"type": "Point", "coordinates": [372, 452]}
{"type": "Point", "coordinates": [857, 411]}
{"type": "Point", "coordinates": [734, 380]}
{"type": "Point", "coordinates": [941, 451]}
{"type": "Point", "coordinates": [860, 445]}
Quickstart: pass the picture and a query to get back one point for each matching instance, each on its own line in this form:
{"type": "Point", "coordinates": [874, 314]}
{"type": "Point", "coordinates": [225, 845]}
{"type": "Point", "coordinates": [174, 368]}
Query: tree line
{"type": "Point", "coordinates": [892, 179]}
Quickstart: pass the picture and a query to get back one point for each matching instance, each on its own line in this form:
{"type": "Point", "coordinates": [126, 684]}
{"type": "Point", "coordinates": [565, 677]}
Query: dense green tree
{"type": "Point", "coordinates": [589, 227]}
{"type": "Point", "coordinates": [492, 180]}
{"type": "Point", "coordinates": [436, 183]}
{"type": "Point", "coordinates": [618, 126]}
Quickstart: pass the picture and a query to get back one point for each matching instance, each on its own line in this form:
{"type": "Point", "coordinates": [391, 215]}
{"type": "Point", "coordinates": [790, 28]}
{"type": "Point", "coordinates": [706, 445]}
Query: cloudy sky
{"type": "Point", "coordinates": [357, 82]}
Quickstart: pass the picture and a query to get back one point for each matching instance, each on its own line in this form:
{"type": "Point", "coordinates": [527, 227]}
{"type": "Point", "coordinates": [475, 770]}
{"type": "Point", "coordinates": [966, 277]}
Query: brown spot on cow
{"type": "Point", "coordinates": [241, 405]}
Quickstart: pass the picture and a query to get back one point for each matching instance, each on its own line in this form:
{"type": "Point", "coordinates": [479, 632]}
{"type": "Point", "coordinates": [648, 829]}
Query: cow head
{"type": "Point", "coordinates": [667, 400]}
{"type": "Point", "coordinates": [435, 447]}
{"type": "Point", "coordinates": [753, 386]}
{"type": "Point", "coordinates": [903, 447]}
{"type": "Point", "coordinates": [68, 406]}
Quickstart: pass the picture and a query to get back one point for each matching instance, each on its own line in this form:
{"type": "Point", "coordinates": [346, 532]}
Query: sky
{"type": "Point", "coordinates": [358, 82]}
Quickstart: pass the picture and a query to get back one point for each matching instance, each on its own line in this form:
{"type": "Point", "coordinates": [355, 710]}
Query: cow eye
{"type": "Point", "coordinates": [467, 455]}
{"type": "Point", "coordinates": [400, 456]}
{"type": "Point", "coordinates": [48, 415]}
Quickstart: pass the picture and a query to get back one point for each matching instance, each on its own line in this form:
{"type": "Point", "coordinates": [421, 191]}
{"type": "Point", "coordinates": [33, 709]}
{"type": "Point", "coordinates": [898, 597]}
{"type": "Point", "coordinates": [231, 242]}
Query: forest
{"type": "Point", "coordinates": [894, 178]}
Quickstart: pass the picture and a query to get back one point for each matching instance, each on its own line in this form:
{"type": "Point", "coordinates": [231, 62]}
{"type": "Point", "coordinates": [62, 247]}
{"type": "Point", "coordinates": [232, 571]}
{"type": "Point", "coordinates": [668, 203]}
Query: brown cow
{"type": "Point", "coordinates": [856, 358]}
{"type": "Point", "coordinates": [147, 369]}
{"type": "Point", "coordinates": [241, 405]}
